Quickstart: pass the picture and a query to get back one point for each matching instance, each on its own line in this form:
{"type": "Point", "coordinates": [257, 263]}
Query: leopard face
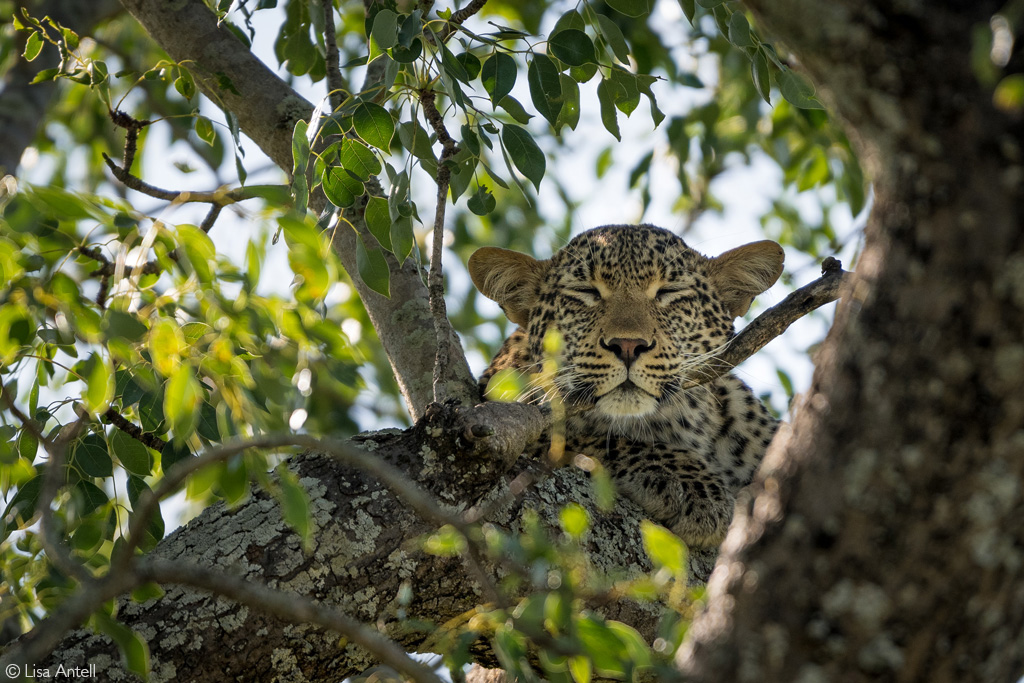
{"type": "Point", "coordinates": [638, 311]}
{"type": "Point", "coordinates": [639, 314]}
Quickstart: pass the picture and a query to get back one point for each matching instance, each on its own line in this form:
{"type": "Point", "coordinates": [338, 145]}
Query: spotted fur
{"type": "Point", "coordinates": [640, 314]}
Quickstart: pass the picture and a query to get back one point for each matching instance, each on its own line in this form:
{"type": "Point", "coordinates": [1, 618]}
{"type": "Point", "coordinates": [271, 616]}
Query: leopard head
{"type": "Point", "coordinates": [639, 312]}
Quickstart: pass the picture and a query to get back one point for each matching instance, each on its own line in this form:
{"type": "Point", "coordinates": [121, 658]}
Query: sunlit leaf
{"type": "Point", "coordinates": [664, 547]}
{"type": "Point", "coordinates": [374, 124]}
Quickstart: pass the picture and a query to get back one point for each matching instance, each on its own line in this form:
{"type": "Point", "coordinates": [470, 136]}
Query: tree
{"type": "Point", "coordinates": [861, 597]}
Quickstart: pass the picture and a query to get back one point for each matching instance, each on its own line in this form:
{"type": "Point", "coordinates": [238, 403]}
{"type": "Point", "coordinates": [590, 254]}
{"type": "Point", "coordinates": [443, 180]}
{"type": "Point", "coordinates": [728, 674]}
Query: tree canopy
{"type": "Point", "coordinates": [171, 184]}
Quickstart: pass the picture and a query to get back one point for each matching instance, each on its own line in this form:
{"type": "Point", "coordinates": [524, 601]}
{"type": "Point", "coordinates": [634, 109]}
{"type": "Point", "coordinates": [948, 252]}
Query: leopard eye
{"type": "Point", "coordinates": [590, 293]}
{"type": "Point", "coordinates": [669, 293]}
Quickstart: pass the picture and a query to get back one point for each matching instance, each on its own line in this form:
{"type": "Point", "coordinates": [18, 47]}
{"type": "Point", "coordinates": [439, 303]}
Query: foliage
{"type": "Point", "coordinates": [138, 315]}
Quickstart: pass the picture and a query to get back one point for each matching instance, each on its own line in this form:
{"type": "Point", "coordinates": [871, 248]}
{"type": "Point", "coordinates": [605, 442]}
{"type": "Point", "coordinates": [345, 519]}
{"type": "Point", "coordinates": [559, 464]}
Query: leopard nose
{"type": "Point", "coordinates": [627, 350]}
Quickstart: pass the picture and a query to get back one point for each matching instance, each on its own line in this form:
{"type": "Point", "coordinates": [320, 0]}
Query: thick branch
{"type": "Point", "coordinates": [362, 557]}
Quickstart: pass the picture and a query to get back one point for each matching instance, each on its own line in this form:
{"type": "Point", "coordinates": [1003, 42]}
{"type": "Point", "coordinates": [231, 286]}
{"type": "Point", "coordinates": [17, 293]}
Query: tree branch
{"type": "Point", "coordinates": [435, 280]}
{"type": "Point", "coordinates": [227, 72]}
{"type": "Point", "coordinates": [294, 608]}
{"type": "Point", "coordinates": [774, 321]}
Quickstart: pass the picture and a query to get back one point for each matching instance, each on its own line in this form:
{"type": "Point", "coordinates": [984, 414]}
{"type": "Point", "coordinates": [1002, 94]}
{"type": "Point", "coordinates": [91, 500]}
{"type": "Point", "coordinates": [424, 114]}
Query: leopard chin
{"type": "Point", "coordinates": [626, 400]}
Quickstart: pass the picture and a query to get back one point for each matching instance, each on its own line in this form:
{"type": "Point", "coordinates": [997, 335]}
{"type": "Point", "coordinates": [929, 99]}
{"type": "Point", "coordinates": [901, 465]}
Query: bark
{"type": "Point", "coordinates": [267, 108]}
{"type": "Point", "coordinates": [884, 540]}
{"type": "Point", "coordinates": [366, 547]}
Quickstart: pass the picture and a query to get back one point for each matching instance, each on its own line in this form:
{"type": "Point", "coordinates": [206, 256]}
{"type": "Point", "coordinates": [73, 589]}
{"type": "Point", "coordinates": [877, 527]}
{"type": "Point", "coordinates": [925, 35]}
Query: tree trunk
{"type": "Point", "coordinates": [885, 541]}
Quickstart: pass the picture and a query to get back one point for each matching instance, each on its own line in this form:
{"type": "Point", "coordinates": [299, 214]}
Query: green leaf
{"type": "Point", "coordinates": [609, 116]}
{"type": "Point", "coordinates": [200, 250]}
{"type": "Point", "coordinates": [374, 124]}
{"type": "Point", "coordinates": [739, 31]}
{"type": "Point", "coordinates": [574, 520]}
{"type": "Point", "coordinates": [688, 9]}
{"type": "Point", "coordinates": [570, 113]}
{"type": "Point", "coordinates": [514, 109]}
{"type": "Point", "coordinates": [28, 445]}
{"type": "Point", "coordinates": [573, 47]}
{"type": "Point", "coordinates": [403, 239]}
{"type": "Point", "coordinates": [207, 426]}
{"type": "Point", "coordinates": [625, 90]}
{"type": "Point", "coordinates": [99, 383]}
{"type": "Point", "coordinates": [759, 71]}
{"type": "Point", "coordinates": [300, 162]}
{"type": "Point", "coordinates": [797, 91]}
{"type": "Point", "coordinates": [612, 34]}
{"type": "Point", "coordinates": [185, 85]}
{"type": "Point", "coordinates": [204, 130]}
{"type": "Point", "coordinates": [545, 87]}
{"type": "Point", "coordinates": [580, 669]}
{"type": "Point", "coordinates": [23, 505]}
{"type": "Point", "coordinates": [470, 62]}
{"type": "Point", "coordinates": [446, 542]}
{"type": "Point", "coordinates": [91, 457]}
{"type": "Point", "coordinates": [147, 592]}
{"type": "Point", "coordinates": [166, 346]}
{"type": "Point", "coordinates": [412, 26]}
{"type": "Point", "coordinates": [1008, 95]}
{"type": "Point", "coordinates": [373, 268]}
{"type": "Point", "coordinates": [498, 74]}
{"type": "Point", "coordinates": [295, 505]}
{"type": "Point", "coordinates": [385, 29]}
{"type": "Point", "coordinates": [452, 66]}
{"type": "Point", "coordinates": [87, 497]}
{"type": "Point", "coordinates": [134, 649]}
{"type": "Point", "coordinates": [172, 453]}
{"type": "Point", "coordinates": [45, 75]}
{"type": "Point", "coordinates": [33, 46]}
{"type": "Point", "coordinates": [664, 547]}
{"type": "Point", "coordinates": [482, 202]}
{"type": "Point", "coordinates": [407, 55]}
{"type": "Point", "coordinates": [632, 8]}
{"type": "Point", "coordinates": [124, 326]}
{"type": "Point", "coordinates": [644, 82]}
{"type": "Point", "coordinates": [132, 454]}
{"type": "Point", "coordinates": [357, 158]}
{"type": "Point", "coordinates": [526, 155]}
{"type": "Point", "coordinates": [378, 220]}
{"type": "Point", "coordinates": [340, 187]}
{"type": "Point", "coordinates": [709, 4]}
{"type": "Point", "coordinates": [571, 19]}
{"type": "Point", "coordinates": [181, 401]}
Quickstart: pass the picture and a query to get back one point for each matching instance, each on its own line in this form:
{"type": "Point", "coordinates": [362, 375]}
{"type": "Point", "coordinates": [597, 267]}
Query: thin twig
{"type": "Point", "coordinates": [290, 606]}
{"type": "Point", "coordinates": [460, 16]}
{"type": "Point", "coordinates": [211, 217]}
{"type": "Point", "coordinates": [435, 279]}
{"type": "Point", "coordinates": [221, 197]}
{"type": "Point", "coordinates": [774, 321]}
{"type": "Point", "coordinates": [147, 438]}
{"type": "Point", "coordinates": [132, 126]}
{"type": "Point", "coordinates": [336, 84]}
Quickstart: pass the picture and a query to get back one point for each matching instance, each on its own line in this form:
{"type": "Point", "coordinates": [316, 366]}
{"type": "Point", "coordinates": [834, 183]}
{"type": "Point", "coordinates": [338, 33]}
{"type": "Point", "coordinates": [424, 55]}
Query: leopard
{"type": "Point", "coordinates": [641, 317]}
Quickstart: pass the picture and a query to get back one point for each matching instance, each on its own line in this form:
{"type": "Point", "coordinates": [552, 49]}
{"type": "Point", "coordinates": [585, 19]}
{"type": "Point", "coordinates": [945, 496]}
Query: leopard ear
{"type": "Point", "coordinates": [509, 277]}
{"type": "Point", "coordinates": [742, 273]}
